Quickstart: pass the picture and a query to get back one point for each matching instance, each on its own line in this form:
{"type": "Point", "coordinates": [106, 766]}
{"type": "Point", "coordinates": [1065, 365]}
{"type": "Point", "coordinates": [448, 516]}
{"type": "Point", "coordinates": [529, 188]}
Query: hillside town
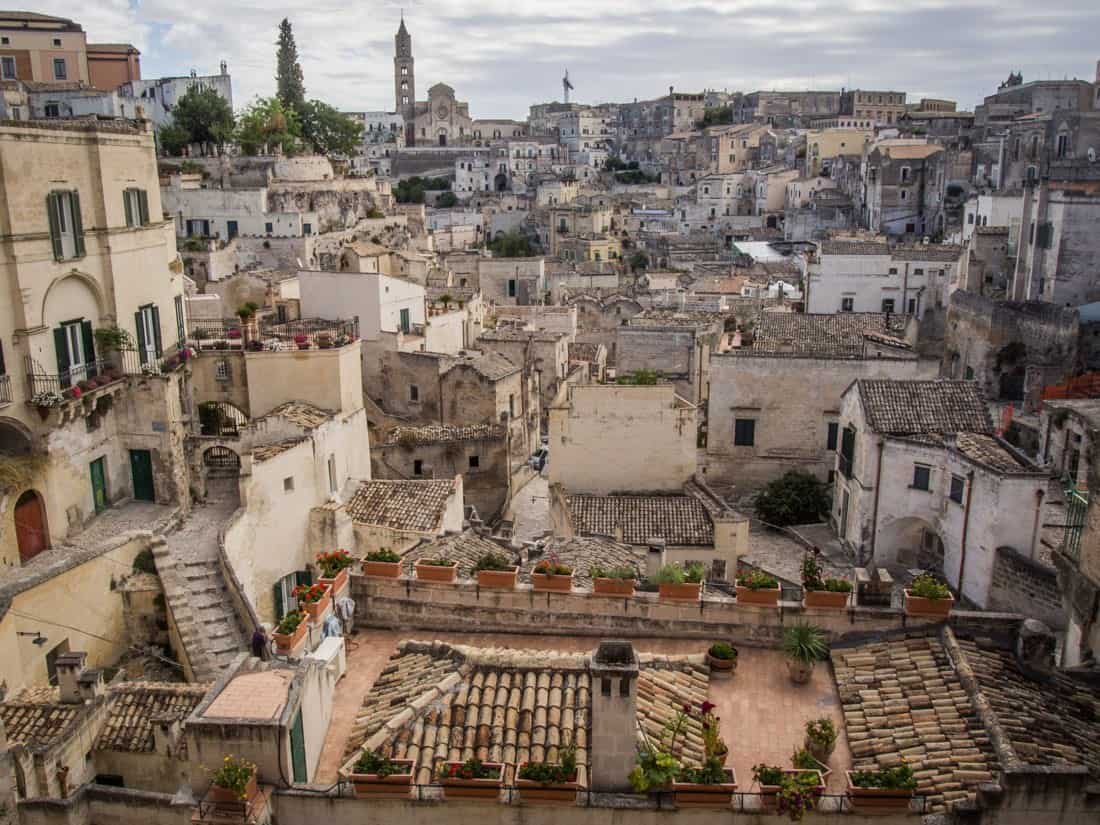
{"type": "Point", "coordinates": [716, 455]}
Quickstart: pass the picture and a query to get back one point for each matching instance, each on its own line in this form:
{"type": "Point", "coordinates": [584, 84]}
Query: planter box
{"type": "Point", "coordinates": [454, 788]}
{"type": "Point", "coordinates": [722, 665]}
{"type": "Point", "coordinates": [394, 786]}
{"type": "Point", "coordinates": [288, 644]}
{"type": "Point", "coordinates": [337, 584]}
{"type": "Point", "coordinates": [532, 791]}
{"type": "Point", "coordinates": [382, 569]}
{"type": "Point", "coordinates": [317, 609]}
{"type": "Point", "coordinates": [929, 608]}
{"type": "Point", "coordinates": [768, 792]}
{"type": "Point", "coordinates": [497, 579]}
{"type": "Point", "coordinates": [436, 572]}
{"type": "Point", "coordinates": [877, 800]}
{"type": "Point", "coordinates": [613, 587]}
{"type": "Point", "coordinates": [764, 598]}
{"type": "Point", "coordinates": [690, 795]}
{"type": "Point", "coordinates": [228, 803]}
{"type": "Point", "coordinates": [686, 592]}
{"type": "Point", "coordinates": [553, 583]}
{"type": "Point", "coordinates": [825, 598]}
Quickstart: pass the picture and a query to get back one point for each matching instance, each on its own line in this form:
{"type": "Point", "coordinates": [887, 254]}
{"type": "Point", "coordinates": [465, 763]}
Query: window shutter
{"type": "Point", "coordinates": [89, 347]}
{"type": "Point", "coordinates": [140, 327]}
{"type": "Point", "coordinates": [78, 224]}
{"type": "Point", "coordinates": [52, 207]}
{"type": "Point", "coordinates": [156, 331]}
{"type": "Point", "coordinates": [280, 605]}
{"type": "Point", "coordinates": [61, 347]}
{"type": "Point", "coordinates": [128, 207]}
{"type": "Point", "coordinates": [1045, 237]}
{"type": "Point", "coordinates": [143, 207]}
{"type": "Point", "coordinates": [304, 577]}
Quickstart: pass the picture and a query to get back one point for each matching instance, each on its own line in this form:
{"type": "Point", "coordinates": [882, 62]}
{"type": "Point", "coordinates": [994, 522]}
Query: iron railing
{"type": "Point", "coordinates": [314, 332]}
{"type": "Point", "coordinates": [1077, 505]}
{"type": "Point", "coordinates": [231, 333]}
{"type": "Point", "coordinates": [5, 389]}
{"type": "Point", "coordinates": [217, 418]}
{"type": "Point", "coordinates": [48, 389]}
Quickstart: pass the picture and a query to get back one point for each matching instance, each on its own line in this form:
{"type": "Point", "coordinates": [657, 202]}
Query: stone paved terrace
{"type": "Point", "coordinates": [763, 715]}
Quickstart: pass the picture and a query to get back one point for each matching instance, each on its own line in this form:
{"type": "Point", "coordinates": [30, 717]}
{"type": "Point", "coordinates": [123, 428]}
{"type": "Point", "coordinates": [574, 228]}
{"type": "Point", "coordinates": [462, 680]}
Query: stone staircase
{"type": "Point", "coordinates": [196, 594]}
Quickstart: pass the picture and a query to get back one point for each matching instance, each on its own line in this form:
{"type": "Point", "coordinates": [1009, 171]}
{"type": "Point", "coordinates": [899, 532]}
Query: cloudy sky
{"type": "Point", "coordinates": [503, 55]}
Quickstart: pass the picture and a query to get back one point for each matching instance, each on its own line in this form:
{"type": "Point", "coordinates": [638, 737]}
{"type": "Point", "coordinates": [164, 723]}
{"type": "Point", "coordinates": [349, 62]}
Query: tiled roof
{"type": "Point", "coordinates": [679, 520]}
{"type": "Point", "coordinates": [402, 505]}
{"type": "Point", "coordinates": [38, 724]}
{"type": "Point", "coordinates": [439, 702]}
{"type": "Point", "coordinates": [904, 704]}
{"type": "Point", "coordinates": [511, 332]}
{"type": "Point", "coordinates": [989, 452]}
{"type": "Point", "coordinates": [491, 365]}
{"type": "Point", "coordinates": [582, 552]}
{"type": "Point", "coordinates": [854, 248]}
{"type": "Point", "coordinates": [269, 451]}
{"type": "Point", "coordinates": [465, 548]}
{"type": "Point", "coordinates": [939, 406]}
{"type": "Point", "coordinates": [675, 318]}
{"type": "Point", "coordinates": [133, 707]}
{"type": "Point", "coordinates": [912, 152]}
{"type": "Point", "coordinates": [841, 335]}
{"type": "Point", "coordinates": [443, 433]}
{"type": "Point", "coordinates": [944, 253]}
{"type": "Point", "coordinates": [1051, 723]}
{"type": "Point", "coordinates": [302, 413]}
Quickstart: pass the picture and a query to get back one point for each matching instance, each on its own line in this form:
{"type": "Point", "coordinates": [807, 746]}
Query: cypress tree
{"type": "Point", "coordinates": [291, 88]}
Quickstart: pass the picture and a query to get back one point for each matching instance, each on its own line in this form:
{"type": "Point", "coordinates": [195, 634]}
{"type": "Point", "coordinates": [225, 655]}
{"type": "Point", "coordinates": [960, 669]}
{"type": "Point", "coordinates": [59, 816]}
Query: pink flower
{"type": "Point", "coordinates": [707, 707]}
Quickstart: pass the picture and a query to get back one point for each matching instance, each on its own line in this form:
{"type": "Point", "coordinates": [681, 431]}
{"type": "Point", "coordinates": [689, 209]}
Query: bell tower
{"type": "Point", "coordinates": [404, 83]}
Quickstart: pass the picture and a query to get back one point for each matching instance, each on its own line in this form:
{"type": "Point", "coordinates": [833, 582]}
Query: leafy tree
{"type": "Point", "coordinates": [291, 87]}
{"type": "Point", "coordinates": [265, 124]}
{"type": "Point", "coordinates": [639, 260]}
{"type": "Point", "coordinates": [173, 138]}
{"type": "Point", "coordinates": [204, 115]}
{"type": "Point", "coordinates": [447, 200]}
{"type": "Point", "coordinates": [328, 131]}
{"type": "Point", "coordinates": [512, 244]}
{"type": "Point", "coordinates": [411, 190]}
{"type": "Point", "coordinates": [715, 115]}
{"type": "Point", "coordinates": [796, 497]}
{"type": "Point", "coordinates": [640, 378]}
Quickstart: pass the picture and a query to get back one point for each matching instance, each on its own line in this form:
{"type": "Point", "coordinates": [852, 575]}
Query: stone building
{"type": "Point", "coordinates": [543, 354]}
{"type": "Point", "coordinates": [904, 188]}
{"type": "Point", "coordinates": [775, 395]}
{"type": "Point", "coordinates": [871, 109]}
{"type": "Point", "coordinates": [924, 481]}
{"type": "Point", "coordinates": [676, 345]}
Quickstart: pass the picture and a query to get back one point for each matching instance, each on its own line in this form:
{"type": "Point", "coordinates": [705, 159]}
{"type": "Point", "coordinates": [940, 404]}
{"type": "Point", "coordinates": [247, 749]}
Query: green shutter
{"type": "Point", "coordinates": [304, 577]}
{"type": "Point", "coordinates": [280, 605]}
{"type": "Point", "coordinates": [140, 327]}
{"type": "Point", "coordinates": [52, 207]}
{"type": "Point", "coordinates": [78, 223]}
{"type": "Point", "coordinates": [89, 347]}
{"type": "Point", "coordinates": [143, 207]}
{"type": "Point", "coordinates": [61, 347]}
{"type": "Point", "coordinates": [129, 209]}
{"type": "Point", "coordinates": [156, 331]}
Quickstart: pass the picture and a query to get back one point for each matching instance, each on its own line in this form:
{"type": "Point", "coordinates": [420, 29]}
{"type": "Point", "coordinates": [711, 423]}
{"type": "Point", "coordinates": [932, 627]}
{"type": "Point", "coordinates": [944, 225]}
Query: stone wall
{"type": "Point", "coordinates": [1025, 585]}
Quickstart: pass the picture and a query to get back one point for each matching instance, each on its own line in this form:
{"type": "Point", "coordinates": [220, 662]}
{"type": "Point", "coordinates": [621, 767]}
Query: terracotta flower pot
{"type": "Point", "coordinates": [693, 795]}
{"type": "Point", "coordinates": [317, 609]}
{"type": "Point", "coordinates": [722, 665]}
{"type": "Point", "coordinates": [686, 592]}
{"type": "Point", "coordinates": [764, 598]}
{"type": "Point", "coordinates": [337, 583]}
{"type": "Point", "coordinates": [552, 582]}
{"type": "Point", "coordinates": [382, 569]}
{"type": "Point", "coordinates": [613, 587]}
{"type": "Point", "coordinates": [456, 788]}
{"type": "Point", "coordinates": [287, 643]}
{"type": "Point", "coordinates": [800, 672]}
{"type": "Point", "coordinates": [564, 793]}
{"type": "Point", "coordinates": [436, 572]}
{"type": "Point", "coordinates": [394, 786]}
{"type": "Point", "coordinates": [877, 800]}
{"type": "Point", "coordinates": [927, 608]}
{"type": "Point", "coordinates": [226, 798]}
{"type": "Point", "coordinates": [825, 598]}
{"type": "Point", "coordinates": [497, 579]}
{"type": "Point", "coordinates": [818, 751]}
{"type": "Point", "coordinates": [768, 792]}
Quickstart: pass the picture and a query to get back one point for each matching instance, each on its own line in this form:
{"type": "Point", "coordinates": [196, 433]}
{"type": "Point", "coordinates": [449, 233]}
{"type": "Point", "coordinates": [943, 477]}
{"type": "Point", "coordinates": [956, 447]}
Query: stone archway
{"type": "Point", "coordinates": [32, 533]}
{"type": "Point", "coordinates": [912, 542]}
{"type": "Point", "coordinates": [500, 182]}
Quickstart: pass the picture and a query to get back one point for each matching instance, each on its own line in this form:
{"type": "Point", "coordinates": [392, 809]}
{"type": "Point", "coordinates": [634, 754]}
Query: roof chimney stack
{"type": "Point", "coordinates": [614, 745]}
{"type": "Point", "coordinates": [70, 666]}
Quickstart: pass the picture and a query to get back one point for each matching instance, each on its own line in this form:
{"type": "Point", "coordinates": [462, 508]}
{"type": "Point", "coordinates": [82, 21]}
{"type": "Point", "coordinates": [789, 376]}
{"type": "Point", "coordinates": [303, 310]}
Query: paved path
{"type": "Point", "coordinates": [530, 510]}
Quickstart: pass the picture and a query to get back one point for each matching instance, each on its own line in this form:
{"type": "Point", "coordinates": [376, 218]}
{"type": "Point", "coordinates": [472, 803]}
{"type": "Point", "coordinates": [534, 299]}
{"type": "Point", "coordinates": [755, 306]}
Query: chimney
{"type": "Point", "coordinates": [1035, 645]}
{"type": "Point", "coordinates": [655, 557]}
{"type": "Point", "coordinates": [90, 684]}
{"type": "Point", "coordinates": [69, 668]}
{"type": "Point", "coordinates": [614, 744]}
{"type": "Point", "coordinates": [166, 734]}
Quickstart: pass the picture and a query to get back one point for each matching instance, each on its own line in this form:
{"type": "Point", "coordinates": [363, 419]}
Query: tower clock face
{"type": "Point", "coordinates": [442, 112]}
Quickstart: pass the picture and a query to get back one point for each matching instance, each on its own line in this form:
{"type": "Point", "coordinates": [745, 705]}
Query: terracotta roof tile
{"type": "Point", "coordinates": [441, 434]}
{"type": "Point", "coordinates": [679, 520]}
{"type": "Point", "coordinates": [465, 548]}
{"type": "Point", "coordinates": [39, 725]}
{"type": "Point", "coordinates": [302, 413]}
{"type": "Point", "coordinates": [134, 706]}
{"type": "Point", "coordinates": [936, 407]}
{"type": "Point", "coordinates": [402, 505]}
{"type": "Point", "coordinates": [582, 552]}
{"type": "Point", "coordinates": [842, 335]}
{"type": "Point", "coordinates": [266, 452]}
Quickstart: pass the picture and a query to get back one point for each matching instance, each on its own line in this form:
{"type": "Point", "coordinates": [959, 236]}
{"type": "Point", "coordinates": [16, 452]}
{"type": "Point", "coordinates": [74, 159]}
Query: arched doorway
{"type": "Point", "coordinates": [31, 531]}
{"type": "Point", "coordinates": [501, 182]}
{"type": "Point", "coordinates": [222, 469]}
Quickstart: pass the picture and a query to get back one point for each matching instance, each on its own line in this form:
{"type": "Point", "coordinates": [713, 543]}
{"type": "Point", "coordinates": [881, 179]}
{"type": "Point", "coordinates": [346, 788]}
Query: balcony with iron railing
{"type": "Point", "coordinates": [52, 389]}
{"type": "Point", "coordinates": [1077, 505]}
{"type": "Point", "coordinates": [270, 336]}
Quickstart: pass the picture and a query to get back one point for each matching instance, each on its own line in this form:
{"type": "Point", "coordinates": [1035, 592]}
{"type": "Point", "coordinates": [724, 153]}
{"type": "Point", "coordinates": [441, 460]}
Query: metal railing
{"type": "Point", "coordinates": [5, 389]}
{"type": "Point", "coordinates": [48, 389]}
{"type": "Point", "coordinates": [316, 332]}
{"type": "Point", "coordinates": [1077, 505]}
{"type": "Point", "coordinates": [232, 334]}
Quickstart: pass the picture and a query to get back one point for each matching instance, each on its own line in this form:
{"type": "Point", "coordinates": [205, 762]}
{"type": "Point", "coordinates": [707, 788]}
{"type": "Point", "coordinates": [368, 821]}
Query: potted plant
{"type": "Point", "coordinates": [472, 779]}
{"type": "Point", "coordinates": [722, 657]}
{"type": "Point", "coordinates": [301, 340]}
{"type": "Point", "coordinates": [804, 644]}
{"type": "Point", "coordinates": [313, 598]}
{"type": "Point", "coordinates": [928, 597]}
{"type": "Point", "coordinates": [714, 746]}
{"type": "Point", "coordinates": [654, 770]}
{"type": "Point", "coordinates": [550, 575]}
{"type": "Point", "coordinates": [821, 738]}
{"type": "Point", "coordinates": [324, 340]}
{"type": "Point", "coordinates": [111, 340]}
{"type": "Point", "coordinates": [495, 570]}
{"type": "Point", "coordinates": [375, 776]}
{"type": "Point", "coordinates": [804, 760]}
{"type": "Point", "coordinates": [551, 782]}
{"type": "Point", "coordinates": [820, 592]}
{"type": "Point", "coordinates": [234, 784]}
{"type": "Point", "coordinates": [382, 564]}
{"type": "Point", "coordinates": [680, 583]}
{"type": "Point", "coordinates": [759, 588]}
{"type": "Point", "coordinates": [289, 632]}
{"type": "Point", "coordinates": [709, 786]}
{"type": "Point", "coordinates": [334, 569]}
{"type": "Point", "coordinates": [437, 570]}
{"type": "Point", "coordinates": [888, 790]}
{"type": "Point", "coordinates": [791, 792]}
{"type": "Point", "coordinates": [613, 581]}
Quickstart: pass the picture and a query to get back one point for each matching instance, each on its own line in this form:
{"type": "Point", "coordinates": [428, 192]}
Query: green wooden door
{"type": "Point", "coordinates": [99, 484]}
{"type": "Point", "coordinates": [141, 468]}
{"type": "Point", "coordinates": [298, 749]}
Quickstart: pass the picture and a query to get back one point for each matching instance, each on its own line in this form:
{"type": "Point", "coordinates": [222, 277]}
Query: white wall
{"type": "Point", "coordinates": [376, 300]}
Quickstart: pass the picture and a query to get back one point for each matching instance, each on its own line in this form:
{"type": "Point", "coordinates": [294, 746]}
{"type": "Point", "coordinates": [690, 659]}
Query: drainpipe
{"type": "Point", "coordinates": [878, 486]}
{"type": "Point", "coordinates": [1038, 519]}
{"type": "Point", "coordinates": [966, 528]}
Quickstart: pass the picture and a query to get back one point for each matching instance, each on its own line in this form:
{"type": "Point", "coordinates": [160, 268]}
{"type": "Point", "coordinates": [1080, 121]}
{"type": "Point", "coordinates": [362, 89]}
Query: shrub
{"type": "Point", "coordinates": [758, 580]}
{"type": "Point", "coordinates": [899, 778]}
{"type": "Point", "coordinates": [472, 768]}
{"type": "Point", "coordinates": [375, 763]}
{"type": "Point", "coordinates": [838, 585]}
{"type": "Point", "coordinates": [821, 731]}
{"type": "Point", "coordinates": [548, 567]}
{"type": "Point", "coordinates": [804, 642]}
{"type": "Point", "coordinates": [234, 775]}
{"type": "Point", "coordinates": [309, 594]}
{"type": "Point", "coordinates": [553, 773]}
{"type": "Point", "coordinates": [711, 773]}
{"type": "Point", "coordinates": [803, 759]}
{"type": "Point", "coordinates": [640, 378]}
{"type": "Point", "coordinates": [677, 574]}
{"type": "Point", "coordinates": [493, 561]}
{"type": "Point", "coordinates": [383, 555]}
{"type": "Point", "coordinates": [767, 774]}
{"type": "Point", "coordinates": [144, 562]}
{"type": "Point", "coordinates": [332, 563]}
{"type": "Point", "coordinates": [798, 793]}
{"type": "Point", "coordinates": [722, 650]}
{"type": "Point", "coordinates": [795, 497]}
{"type": "Point", "coordinates": [927, 586]}
{"type": "Point", "coordinates": [442, 561]}
{"type": "Point", "coordinates": [654, 769]}
{"type": "Point", "coordinates": [289, 623]}
{"type": "Point", "coordinates": [625, 572]}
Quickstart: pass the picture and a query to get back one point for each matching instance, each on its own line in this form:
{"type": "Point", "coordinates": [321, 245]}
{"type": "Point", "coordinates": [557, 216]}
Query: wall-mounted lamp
{"type": "Point", "coordinates": [36, 637]}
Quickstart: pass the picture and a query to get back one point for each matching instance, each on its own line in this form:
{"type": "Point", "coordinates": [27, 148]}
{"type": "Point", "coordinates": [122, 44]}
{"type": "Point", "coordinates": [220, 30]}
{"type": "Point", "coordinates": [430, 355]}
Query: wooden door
{"type": "Point", "coordinates": [141, 468]}
{"type": "Point", "coordinates": [99, 484]}
{"type": "Point", "coordinates": [30, 526]}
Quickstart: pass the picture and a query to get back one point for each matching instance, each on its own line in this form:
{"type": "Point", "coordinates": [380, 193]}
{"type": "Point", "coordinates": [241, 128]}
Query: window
{"type": "Point", "coordinates": [221, 371]}
{"type": "Point", "coordinates": [51, 110]}
{"type": "Point", "coordinates": [475, 462]}
{"type": "Point", "coordinates": [59, 70]}
{"type": "Point", "coordinates": [414, 393]}
{"type": "Point", "coordinates": [958, 485]}
{"type": "Point", "coordinates": [135, 203]}
{"type": "Point", "coordinates": [57, 41]}
{"type": "Point", "coordinates": [269, 228]}
{"type": "Point", "coordinates": [418, 467]}
{"type": "Point", "coordinates": [744, 432]}
{"type": "Point", "coordinates": [307, 229]}
{"type": "Point", "coordinates": [332, 473]}
{"type": "Point", "coordinates": [404, 71]}
{"type": "Point", "coordinates": [7, 68]}
{"type": "Point", "coordinates": [288, 484]}
{"type": "Point", "coordinates": [147, 324]}
{"type": "Point", "coordinates": [511, 288]}
{"type": "Point", "coordinates": [847, 304]}
{"type": "Point", "coordinates": [887, 304]}
{"type": "Point", "coordinates": [922, 477]}
{"type": "Point", "coordinates": [404, 321]}
{"type": "Point", "coordinates": [511, 405]}
{"type": "Point", "coordinates": [905, 194]}
{"type": "Point", "coordinates": [75, 349]}
{"type": "Point", "coordinates": [905, 174]}
{"type": "Point", "coordinates": [5, 41]}
{"type": "Point", "coordinates": [970, 218]}
{"type": "Point", "coordinates": [833, 433]}
{"type": "Point", "coordinates": [918, 271]}
{"type": "Point", "coordinates": [912, 306]}
{"type": "Point", "coordinates": [847, 452]}
{"type": "Point", "coordinates": [893, 270]}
